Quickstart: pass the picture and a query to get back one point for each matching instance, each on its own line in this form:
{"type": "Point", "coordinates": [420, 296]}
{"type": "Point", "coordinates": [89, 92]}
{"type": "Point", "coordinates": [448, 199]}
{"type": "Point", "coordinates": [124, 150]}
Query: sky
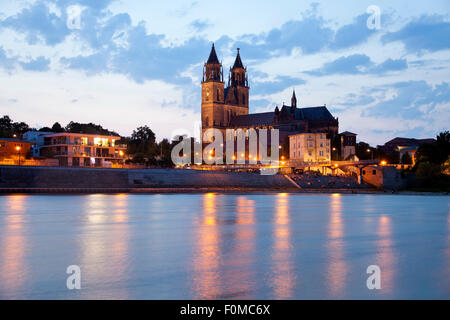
{"type": "Point", "coordinates": [124, 64]}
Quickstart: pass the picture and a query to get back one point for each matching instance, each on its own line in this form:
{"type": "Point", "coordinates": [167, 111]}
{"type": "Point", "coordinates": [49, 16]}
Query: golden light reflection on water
{"type": "Point", "coordinates": [385, 257]}
{"type": "Point", "coordinates": [13, 245]}
{"type": "Point", "coordinates": [215, 277]}
{"type": "Point", "coordinates": [337, 267]}
{"type": "Point", "coordinates": [283, 277]}
{"type": "Point", "coordinates": [243, 251]}
{"type": "Point", "coordinates": [206, 261]}
{"type": "Point", "coordinates": [105, 243]}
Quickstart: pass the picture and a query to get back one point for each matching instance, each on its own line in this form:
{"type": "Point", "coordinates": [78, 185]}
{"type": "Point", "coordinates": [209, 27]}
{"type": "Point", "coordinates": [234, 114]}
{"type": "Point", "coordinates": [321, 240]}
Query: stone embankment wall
{"type": "Point", "coordinates": [54, 177]}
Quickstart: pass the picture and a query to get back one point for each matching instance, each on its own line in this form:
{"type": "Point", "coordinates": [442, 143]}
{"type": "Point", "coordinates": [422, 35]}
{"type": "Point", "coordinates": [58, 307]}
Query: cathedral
{"type": "Point", "coordinates": [227, 107]}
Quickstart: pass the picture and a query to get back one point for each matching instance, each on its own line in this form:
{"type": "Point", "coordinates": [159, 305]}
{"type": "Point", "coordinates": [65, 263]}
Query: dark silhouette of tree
{"type": "Point", "coordinates": [57, 127]}
{"type": "Point", "coordinates": [142, 146]}
{"type": "Point", "coordinates": [437, 152]}
{"type": "Point", "coordinates": [88, 128]}
{"type": "Point", "coordinates": [8, 128]}
{"type": "Point", "coordinates": [406, 158]}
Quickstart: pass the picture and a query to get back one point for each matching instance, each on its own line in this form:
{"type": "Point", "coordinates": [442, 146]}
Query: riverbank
{"type": "Point", "coordinates": [60, 180]}
{"type": "Point", "coordinates": [65, 191]}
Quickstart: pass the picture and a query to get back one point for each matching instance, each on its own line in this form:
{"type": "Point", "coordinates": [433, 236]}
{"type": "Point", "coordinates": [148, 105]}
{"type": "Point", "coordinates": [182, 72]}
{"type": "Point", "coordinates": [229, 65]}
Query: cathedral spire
{"type": "Point", "coordinates": [213, 68]}
{"type": "Point", "coordinates": [293, 100]}
{"type": "Point", "coordinates": [213, 56]}
{"type": "Point", "coordinates": [238, 61]}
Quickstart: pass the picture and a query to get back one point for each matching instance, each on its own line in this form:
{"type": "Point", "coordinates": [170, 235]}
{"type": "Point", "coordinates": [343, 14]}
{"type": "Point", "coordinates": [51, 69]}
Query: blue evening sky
{"type": "Point", "coordinates": [123, 64]}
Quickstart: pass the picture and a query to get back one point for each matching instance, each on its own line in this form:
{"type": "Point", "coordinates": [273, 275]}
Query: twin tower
{"type": "Point", "coordinates": [219, 103]}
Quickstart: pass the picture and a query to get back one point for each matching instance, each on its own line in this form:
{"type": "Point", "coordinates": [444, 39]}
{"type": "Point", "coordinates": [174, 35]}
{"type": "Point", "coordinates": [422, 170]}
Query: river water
{"type": "Point", "coordinates": [224, 246]}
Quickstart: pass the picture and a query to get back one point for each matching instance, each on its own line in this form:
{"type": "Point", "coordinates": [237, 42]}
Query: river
{"type": "Point", "coordinates": [224, 246]}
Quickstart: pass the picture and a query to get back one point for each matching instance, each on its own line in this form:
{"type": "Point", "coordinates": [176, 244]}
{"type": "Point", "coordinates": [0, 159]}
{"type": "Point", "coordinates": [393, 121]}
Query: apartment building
{"type": "Point", "coordinates": [78, 149]}
{"type": "Point", "coordinates": [310, 147]}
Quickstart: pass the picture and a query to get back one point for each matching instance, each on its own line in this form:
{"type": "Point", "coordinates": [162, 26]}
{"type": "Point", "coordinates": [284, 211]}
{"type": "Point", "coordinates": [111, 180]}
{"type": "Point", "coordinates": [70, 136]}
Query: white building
{"type": "Point", "coordinates": [310, 147]}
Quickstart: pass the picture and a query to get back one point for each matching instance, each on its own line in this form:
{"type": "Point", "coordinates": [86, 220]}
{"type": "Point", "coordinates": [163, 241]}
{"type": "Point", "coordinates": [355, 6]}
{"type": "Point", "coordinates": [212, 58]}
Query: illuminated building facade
{"type": "Point", "coordinates": [79, 149]}
{"type": "Point", "coordinates": [310, 147]}
{"type": "Point", "coordinates": [13, 148]}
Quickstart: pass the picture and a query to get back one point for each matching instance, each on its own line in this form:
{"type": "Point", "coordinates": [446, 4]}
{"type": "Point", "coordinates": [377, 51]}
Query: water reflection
{"type": "Point", "coordinates": [105, 243]}
{"type": "Point", "coordinates": [283, 278]}
{"type": "Point", "coordinates": [207, 282]}
{"type": "Point", "coordinates": [13, 269]}
{"type": "Point", "coordinates": [385, 257]}
{"type": "Point", "coordinates": [240, 276]}
{"type": "Point", "coordinates": [223, 262]}
{"type": "Point", "coordinates": [337, 267]}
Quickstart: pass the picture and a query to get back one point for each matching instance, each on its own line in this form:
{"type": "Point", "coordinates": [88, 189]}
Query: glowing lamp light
{"type": "Point", "coordinates": [282, 157]}
{"type": "Point", "coordinates": [383, 163]}
{"type": "Point", "coordinates": [283, 163]}
{"type": "Point", "coordinates": [18, 148]}
{"type": "Point", "coordinates": [121, 153]}
{"type": "Point", "coordinates": [336, 165]}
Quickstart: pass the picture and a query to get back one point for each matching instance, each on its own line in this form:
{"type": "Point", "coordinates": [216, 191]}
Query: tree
{"type": "Point", "coordinates": [443, 146]}
{"type": "Point", "coordinates": [165, 150]}
{"type": "Point", "coordinates": [363, 154]}
{"type": "Point", "coordinates": [437, 152]}
{"type": "Point", "coordinates": [6, 127]}
{"type": "Point", "coordinates": [9, 129]}
{"type": "Point", "coordinates": [88, 128]}
{"type": "Point", "coordinates": [406, 158]}
{"type": "Point", "coordinates": [57, 127]}
{"type": "Point", "coordinates": [142, 146]}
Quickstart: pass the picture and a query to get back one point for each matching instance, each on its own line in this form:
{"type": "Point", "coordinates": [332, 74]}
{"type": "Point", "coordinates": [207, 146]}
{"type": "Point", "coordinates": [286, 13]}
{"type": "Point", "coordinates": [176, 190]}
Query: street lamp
{"type": "Point", "coordinates": [371, 151]}
{"type": "Point", "coordinates": [18, 151]}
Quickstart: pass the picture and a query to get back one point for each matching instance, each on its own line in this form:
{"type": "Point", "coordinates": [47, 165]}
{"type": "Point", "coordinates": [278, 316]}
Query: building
{"type": "Point", "coordinates": [227, 107]}
{"type": "Point", "coordinates": [392, 145]}
{"type": "Point", "coordinates": [347, 145]}
{"type": "Point", "coordinates": [310, 147]}
{"type": "Point", "coordinates": [79, 149]}
{"type": "Point", "coordinates": [384, 177]}
{"type": "Point", "coordinates": [37, 139]}
{"type": "Point", "coordinates": [404, 146]}
{"type": "Point", "coordinates": [14, 148]}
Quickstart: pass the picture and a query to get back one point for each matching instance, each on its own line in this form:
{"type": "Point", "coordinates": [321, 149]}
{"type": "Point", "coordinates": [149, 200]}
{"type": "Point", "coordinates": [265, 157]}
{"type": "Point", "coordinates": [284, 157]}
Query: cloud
{"type": "Point", "coordinates": [200, 25]}
{"type": "Point", "coordinates": [390, 65]}
{"type": "Point", "coordinates": [93, 4]}
{"type": "Point", "coordinates": [412, 100]}
{"type": "Point", "coordinates": [353, 34]}
{"type": "Point", "coordinates": [358, 64]}
{"type": "Point", "coordinates": [38, 64]}
{"type": "Point", "coordinates": [7, 63]}
{"type": "Point", "coordinates": [427, 33]}
{"type": "Point", "coordinates": [10, 63]}
{"type": "Point", "coordinates": [270, 87]}
{"type": "Point", "coordinates": [39, 24]}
